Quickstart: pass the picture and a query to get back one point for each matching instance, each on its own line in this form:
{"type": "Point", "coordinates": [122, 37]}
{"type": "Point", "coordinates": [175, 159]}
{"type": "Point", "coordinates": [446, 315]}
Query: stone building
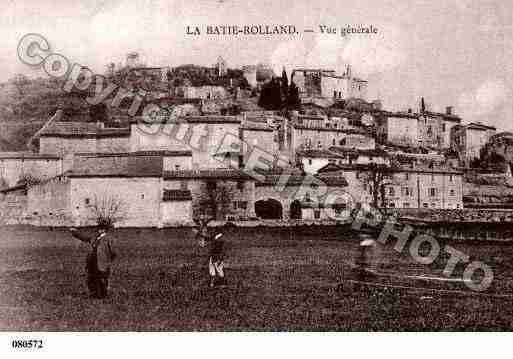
{"type": "Point", "coordinates": [423, 187]}
{"type": "Point", "coordinates": [13, 204]}
{"type": "Point", "coordinates": [292, 195]}
{"type": "Point", "coordinates": [398, 128]}
{"type": "Point", "coordinates": [405, 187]}
{"type": "Point", "coordinates": [312, 160]}
{"type": "Point", "coordinates": [423, 129]}
{"type": "Point", "coordinates": [250, 74]}
{"type": "Point", "coordinates": [16, 166]}
{"type": "Point", "coordinates": [468, 140]}
{"type": "Point", "coordinates": [325, 83]}
{"type": "Point", "coordinates": [321, 133]}
{"type": "Point", "coordinates": [204, 136]}
{"type": "Point", "coordinates": [64, 138]}
{"type": "Point", "coordinates": [202, 92]}
{"type": "Point", "coordinates": [232, 190]}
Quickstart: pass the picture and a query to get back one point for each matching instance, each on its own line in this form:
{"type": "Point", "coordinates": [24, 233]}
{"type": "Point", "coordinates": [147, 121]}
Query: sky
{"type": "Point", "coordinates": [459, 53]}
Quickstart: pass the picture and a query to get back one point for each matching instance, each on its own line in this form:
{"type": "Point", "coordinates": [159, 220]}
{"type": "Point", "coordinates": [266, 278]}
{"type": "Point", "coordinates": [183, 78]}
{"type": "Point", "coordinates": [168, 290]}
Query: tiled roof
{"type": "Point", "coordinates": [117, 166]}
{"type": "Point", "coordinates": [446, 116]}
{"type": "Point", "coordinates": [365, 152]}
{"type": "Point", "coordinates": [208, 119]}
{"type": "Point", "coordinates": [207, 173]}
{"type": "Point", "coordinates": [298, 180]}
{"type": "Point", "coordinates": [20, 187]}
{"type": "Point", "coordinates": [82, 129]}
{"type": "Point", "coordinates": [333, 168]}
{"type": "Point", "coordinates": [27, 155]}
{"type": "Point", "coordinates": [163, 153]}
{"type": "Point", "coordinates": [256, 126]}
{"type": "Point", "coordinates": [477, 125]}
{"type": "Point", "coordinates": [177, 195]}
{"type": "Point", "coordinates": [331, 129]}
{"type": "Point", "coordinates": [317, 153]}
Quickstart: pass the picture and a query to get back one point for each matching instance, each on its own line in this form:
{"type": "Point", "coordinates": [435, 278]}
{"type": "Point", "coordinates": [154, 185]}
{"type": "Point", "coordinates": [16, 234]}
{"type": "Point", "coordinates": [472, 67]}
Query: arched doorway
{"type": "Point", "coordinates": [268, 209]}
{"type": "Point", "coordinates": [295, 209]}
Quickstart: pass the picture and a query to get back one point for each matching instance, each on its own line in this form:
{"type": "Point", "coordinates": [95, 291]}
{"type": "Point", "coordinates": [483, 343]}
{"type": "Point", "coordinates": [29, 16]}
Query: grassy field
{"type": "Point", "coordinates": [277, 281]}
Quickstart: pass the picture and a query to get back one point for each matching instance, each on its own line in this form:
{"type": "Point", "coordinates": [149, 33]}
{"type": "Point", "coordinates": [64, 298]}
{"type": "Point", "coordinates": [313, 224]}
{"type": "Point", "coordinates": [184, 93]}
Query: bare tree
{"type": "Point", "coordinates": [107, 209]}
{"type": "Point", "coordinates": [375, 178]}
{"type": "Point", "coordinates": [214, 202]}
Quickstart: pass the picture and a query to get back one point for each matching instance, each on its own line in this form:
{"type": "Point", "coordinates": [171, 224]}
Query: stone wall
{"type": "Point", "coordinates": [289, 194]}
{"type": "Point", "coordinates": [140, 199]}
{"type": "Point", "coordinates": [176, 212]}
{"type": "Point", "coordinates": [241, 193]}
{"type": "Point", "coordinates": [61, 146]}
{"type": "Point", "coordinates": [13, 207]}
{"type": "Point", "coordinates": [178, 137]}
{"type": "Point", "coordinates": [172, 163]}
{"type": "Point", "coordinates": [13, 169]}
{"type": "Point", "coordinates": [49, 203]}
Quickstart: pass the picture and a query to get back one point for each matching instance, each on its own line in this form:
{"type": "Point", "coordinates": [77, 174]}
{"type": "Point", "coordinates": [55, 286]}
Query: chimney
{"type": "Point", "coordinates": [448, 110]}
{"type": "Point", "coordinates": [410, 110]}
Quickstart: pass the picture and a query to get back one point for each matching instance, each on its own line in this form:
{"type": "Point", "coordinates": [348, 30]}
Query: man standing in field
{"type": "Point", "coordinates": [216, 260]}
{"type": "Point", "coordinates": [99, 260]}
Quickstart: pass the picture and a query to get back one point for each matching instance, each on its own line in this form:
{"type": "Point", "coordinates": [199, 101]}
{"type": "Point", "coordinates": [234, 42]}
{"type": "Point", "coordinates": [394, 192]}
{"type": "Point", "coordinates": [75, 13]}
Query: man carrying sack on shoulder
{"type": "Point", "coordinates": [99, 260]}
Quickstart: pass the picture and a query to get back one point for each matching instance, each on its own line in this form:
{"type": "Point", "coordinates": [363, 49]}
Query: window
{"type": "Point", "coordinates": [451, 179]}
{"type": "Point", "coordinates": [458, 206]}
{"type": "Point", "coordinates": [334, 93]}
{"type": "Point", "coordinates": [425, 205]}
{"type": "Point", "coordinates": [452, 192]}
{"type": "Point", "coordinates": [183, 185]}
{"type": "Point", "coordinates": [391, 191]}
{"type": "Point", "coordinates": [443, 127]}
{"type": "Point", "coordinates": [333, 142]}
{"type": "Point", "coordinates": [432, 178]}
{"type": "Point", "coordinates": [177, 167]}
{"type": "Point", "coordinates": [240, 185]}
{"type": "Point", "coordinates": [235, 205]}
{"type": "Point", "coordinates": [310, 161]}
{"type": "Point", "coordinates": [243, 205]}
{"type": "Point", "coordinates": [432, 192]}
{"type": "Point", "coordinates": [391, 205]}
{"type": "Point", "coordinates": [142, 196]}
{"type": "Point", "coordinates": [406, 205]}
{"type": "Point", "coordinates": [211, 185]}
{"type": "Point", "coordinates": [317, 214]}
{"type": "Point", "coordinates": [87, 201]}
{"type": "Point", "coordinates": [319, 144]}
{"type": "Point", "coordinates": [406, 191]}
{"type": "Point", "coordinates": [407, 176]}
{"type": "Point", "coordinates": [433, 205]}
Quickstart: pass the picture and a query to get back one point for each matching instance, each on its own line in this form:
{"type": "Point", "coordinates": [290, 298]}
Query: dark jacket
{"type": "Point", "coordinates": [101, 247]}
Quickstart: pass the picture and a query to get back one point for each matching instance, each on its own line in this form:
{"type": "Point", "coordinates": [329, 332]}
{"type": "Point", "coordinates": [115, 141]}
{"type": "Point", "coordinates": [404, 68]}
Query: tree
{"type": "Point", "coordinates": [214, 202]}
{"type": "Point", "coordinates": [284, 84]}
{"type": "Point", "coordinates": [107, 209]}
{"type": "Point", "coordinates": [270, 96]}
{"type": "Point", "coordinates": [375, 178]}
{"type": "Point", "coordinates": [293, 100]}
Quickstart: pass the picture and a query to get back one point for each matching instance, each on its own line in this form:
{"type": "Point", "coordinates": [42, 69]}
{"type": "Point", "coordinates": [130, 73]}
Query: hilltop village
{"type": "Point", "coordinates": [248, 145]}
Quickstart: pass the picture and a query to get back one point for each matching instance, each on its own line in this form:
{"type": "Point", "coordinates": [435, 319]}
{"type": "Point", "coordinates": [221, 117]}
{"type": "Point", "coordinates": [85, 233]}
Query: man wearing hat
{"type": "Point", "coordinates": [216, 260]}
{"type": "Point", "coordinates": [99, 260]}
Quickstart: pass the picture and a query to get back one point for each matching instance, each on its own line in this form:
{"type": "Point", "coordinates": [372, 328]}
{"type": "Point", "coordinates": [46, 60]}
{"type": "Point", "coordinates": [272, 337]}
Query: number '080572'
{"type": "Point", "coordinates": [27, 344]}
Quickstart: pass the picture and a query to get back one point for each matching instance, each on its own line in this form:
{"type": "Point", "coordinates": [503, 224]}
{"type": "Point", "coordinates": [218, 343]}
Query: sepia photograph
{"type": "Point", "coordinates": [266, 166]}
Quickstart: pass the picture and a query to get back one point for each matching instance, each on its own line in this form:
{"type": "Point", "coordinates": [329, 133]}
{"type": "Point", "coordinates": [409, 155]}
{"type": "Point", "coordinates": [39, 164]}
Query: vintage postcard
{"type": "Point", "coordinates": [255, 166]}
